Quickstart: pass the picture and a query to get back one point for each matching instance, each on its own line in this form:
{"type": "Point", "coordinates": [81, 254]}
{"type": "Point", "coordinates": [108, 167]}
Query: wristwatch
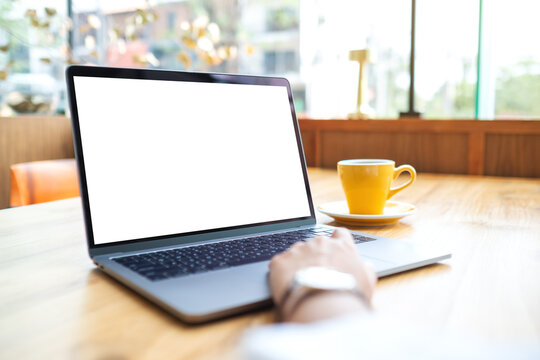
{"type": "Point", "coordinates": [315, 279]}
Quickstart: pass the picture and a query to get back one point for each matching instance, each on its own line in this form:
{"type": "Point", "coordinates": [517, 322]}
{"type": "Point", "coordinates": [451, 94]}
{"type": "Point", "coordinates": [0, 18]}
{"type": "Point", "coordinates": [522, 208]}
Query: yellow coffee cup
{"type": "Point", "coordinates": [367, 182]}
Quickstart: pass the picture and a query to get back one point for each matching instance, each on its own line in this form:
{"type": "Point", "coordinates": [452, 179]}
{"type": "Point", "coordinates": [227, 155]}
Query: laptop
{"type": "Point", "coordinates": [190, 182]}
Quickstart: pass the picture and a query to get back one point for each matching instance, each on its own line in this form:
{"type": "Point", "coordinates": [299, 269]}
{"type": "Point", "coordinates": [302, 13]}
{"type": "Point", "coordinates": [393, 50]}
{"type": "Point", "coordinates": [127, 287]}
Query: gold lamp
{"type": "Point", "coordinates": [363, 110]}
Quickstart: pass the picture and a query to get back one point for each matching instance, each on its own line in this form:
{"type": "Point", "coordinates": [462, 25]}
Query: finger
{"type": "Point", "coordinates": [297, 245]}
{"type": "Point", "coordinates": [293, 249]}
{"type": "Point", "coordinates": [318, 239]}
{"type": "Point", "coordinates": [275, 259]}
{"type": "Point", "coordinates": [340, 232]}
{"type": "Point", "coordinates": [343, 234]}
{"type": "Point", "coordinates": [372, 275]}
{"type": "Point", "coordinates": [278, 284]}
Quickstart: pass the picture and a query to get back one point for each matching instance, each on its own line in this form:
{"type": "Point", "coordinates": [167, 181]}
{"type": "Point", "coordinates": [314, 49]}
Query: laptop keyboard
{"type": "Point", "coordinates": [165, 264]}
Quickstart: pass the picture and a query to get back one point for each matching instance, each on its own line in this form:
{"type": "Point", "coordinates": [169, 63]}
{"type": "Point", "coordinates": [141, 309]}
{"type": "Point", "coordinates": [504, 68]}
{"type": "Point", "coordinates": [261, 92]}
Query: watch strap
{"type": "Point", "coordinates": [309, 292]}
{"type": "Point", "coordinates": [286, 296]}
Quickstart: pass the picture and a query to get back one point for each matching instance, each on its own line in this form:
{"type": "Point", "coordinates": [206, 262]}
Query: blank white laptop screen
{"type": "Point", "coordinates": [170, 157]}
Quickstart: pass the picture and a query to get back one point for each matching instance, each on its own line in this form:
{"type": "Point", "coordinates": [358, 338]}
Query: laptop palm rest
{"type": "Point", "coordinates": [207, 296]}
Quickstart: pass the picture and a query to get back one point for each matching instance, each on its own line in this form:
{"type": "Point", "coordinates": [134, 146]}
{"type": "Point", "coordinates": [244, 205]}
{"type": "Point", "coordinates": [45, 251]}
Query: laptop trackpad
{"type": "Point", "coordinates": [377, 263]}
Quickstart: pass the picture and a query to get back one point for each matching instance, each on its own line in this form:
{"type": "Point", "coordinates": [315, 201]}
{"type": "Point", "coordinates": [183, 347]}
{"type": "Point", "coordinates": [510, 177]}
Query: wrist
{"type": "Point", "coordinates": [314, 305]}
{"type": "Point", "coordinates": [321, 283]}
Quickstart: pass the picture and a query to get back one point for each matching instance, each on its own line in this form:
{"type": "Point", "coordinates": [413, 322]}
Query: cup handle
{"type": "Point", "coordinates": [397, 172]}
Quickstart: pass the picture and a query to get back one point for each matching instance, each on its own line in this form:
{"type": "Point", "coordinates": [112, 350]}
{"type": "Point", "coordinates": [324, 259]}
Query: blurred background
{"type": "Point", "coordinates": [474, 58]}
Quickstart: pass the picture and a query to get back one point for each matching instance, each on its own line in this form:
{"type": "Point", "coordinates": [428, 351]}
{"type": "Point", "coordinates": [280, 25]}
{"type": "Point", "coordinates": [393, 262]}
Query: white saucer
{"type": "Point", "coordinates": [393, 211]}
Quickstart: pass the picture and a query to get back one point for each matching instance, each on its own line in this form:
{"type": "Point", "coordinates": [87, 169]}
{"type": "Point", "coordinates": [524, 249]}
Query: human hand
{"type": "Point", "coordinates": [337, 252]}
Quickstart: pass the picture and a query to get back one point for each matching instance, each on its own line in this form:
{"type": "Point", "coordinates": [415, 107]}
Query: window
{"type": "Point", "coordinates": [446, 47]}
{"type": "Point", "coordinates": [281, 19]}
{"type": "Point", "coordinates": [467, 63]}
{"type": "Point", "coordinates": [329, 30]}
{"type": "Point", "coordinates": [509, 84]}
{"type": "Point", "coordinates": [32, 42]}
{"type": "Point", "coordinates": [280, 62]}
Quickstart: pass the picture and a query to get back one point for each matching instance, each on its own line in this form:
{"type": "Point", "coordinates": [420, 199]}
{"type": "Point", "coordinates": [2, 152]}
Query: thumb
{"type": "Point", "coordinates": [341, 233]}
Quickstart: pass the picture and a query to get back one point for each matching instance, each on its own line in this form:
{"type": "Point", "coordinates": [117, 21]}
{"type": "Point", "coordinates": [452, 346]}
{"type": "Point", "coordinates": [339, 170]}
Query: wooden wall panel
{"type": "Point", "coordinates": [475, 147]}
{"type": "Point", "coordinates": [28, 138]}
{"type": "Point", "coordinates": [512, 155]}
{"type": "Point", "coordinates": [428, 152]}
{"type": "Point", "coordinates": [308, 141]}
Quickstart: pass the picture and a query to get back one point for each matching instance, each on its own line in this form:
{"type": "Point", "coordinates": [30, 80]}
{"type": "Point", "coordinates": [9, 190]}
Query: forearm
{"type": "Point", "coordinates": [325, 305]}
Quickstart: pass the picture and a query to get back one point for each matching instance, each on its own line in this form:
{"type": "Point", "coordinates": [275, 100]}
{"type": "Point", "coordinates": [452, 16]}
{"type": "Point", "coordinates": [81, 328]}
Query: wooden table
{"type": "Point", "coordinates": [55, 304]}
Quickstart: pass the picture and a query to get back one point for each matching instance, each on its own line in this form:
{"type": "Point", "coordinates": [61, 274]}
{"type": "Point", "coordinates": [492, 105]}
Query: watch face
{"type": "Point", "coordinates": [318, 277]}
